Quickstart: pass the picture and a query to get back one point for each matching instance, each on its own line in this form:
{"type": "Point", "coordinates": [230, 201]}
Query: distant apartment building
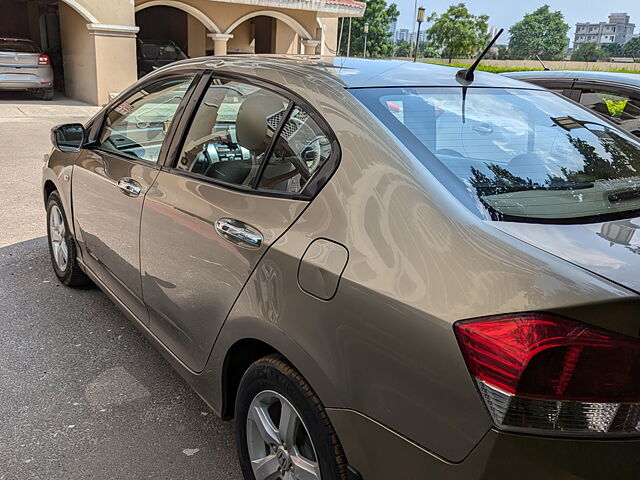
{"type": "Point", "coordinates": [392, 30]}
{"type": "Point", "coordinates": [492, 31]}
{"type": "Point", "coordinates": [618, 29]}
{"type": "Point", "coordinates": [412, 37]}
{"type": "Point", "coordinates": [402, 35]}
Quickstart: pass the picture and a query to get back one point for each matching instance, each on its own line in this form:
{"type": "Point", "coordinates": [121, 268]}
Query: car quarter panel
{"type": "Point", "coordinates": [417, 263]}
{"type": "Point", "coordinates": [380, 454]}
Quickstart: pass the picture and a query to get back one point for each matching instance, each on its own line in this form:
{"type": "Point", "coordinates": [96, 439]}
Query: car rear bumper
{"type": "Point", "coordinates": [27, 80]}
{"type": "Point", "coordinates": [378, 453]}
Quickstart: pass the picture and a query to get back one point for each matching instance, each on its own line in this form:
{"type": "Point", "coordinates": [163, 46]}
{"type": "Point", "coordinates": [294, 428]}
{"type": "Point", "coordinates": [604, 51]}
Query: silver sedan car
{"type": "Point", "coordinates": [23, 66]}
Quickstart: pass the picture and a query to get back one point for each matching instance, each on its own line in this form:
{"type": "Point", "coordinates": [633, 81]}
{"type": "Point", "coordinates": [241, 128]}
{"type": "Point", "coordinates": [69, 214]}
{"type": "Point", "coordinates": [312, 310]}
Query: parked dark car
{"type": "Point", "coordinates": [378, 269]}
{"type": "Point", "coordinates": [614, 95]}
{"type": "Point", "coordinates": [154, 54]}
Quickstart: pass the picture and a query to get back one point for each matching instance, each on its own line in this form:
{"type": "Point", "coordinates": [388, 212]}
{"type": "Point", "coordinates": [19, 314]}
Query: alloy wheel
{"type": "Point", "coordinates": [57, 238]}
{"type": "Point", "coordinates": [278, 440]}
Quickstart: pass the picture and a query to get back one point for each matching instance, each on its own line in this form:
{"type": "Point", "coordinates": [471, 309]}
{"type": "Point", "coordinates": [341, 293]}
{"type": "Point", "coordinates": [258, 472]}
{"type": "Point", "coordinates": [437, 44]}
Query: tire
{"type": "Point", "coordinates": [61, 244]}
{"type": "Point", "coordinates": [46, 94]}
{"type": "Point", "coordinates": [273, 378]}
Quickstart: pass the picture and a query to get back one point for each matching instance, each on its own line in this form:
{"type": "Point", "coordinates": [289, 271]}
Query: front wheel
{"type": "Point", "coordinates": [62, 247]}
{"type": "Point", "coordinates": [282, 429]}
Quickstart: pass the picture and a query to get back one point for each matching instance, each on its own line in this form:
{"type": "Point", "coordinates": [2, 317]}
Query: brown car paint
{"type": "Point", "coordinates": [381, 354]}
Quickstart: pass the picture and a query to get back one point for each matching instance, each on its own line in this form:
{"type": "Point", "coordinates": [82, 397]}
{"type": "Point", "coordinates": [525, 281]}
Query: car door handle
{"type": "Point", "coordinates": [239, 233]}
{"type": "Point", "coordinates": [130, 187]}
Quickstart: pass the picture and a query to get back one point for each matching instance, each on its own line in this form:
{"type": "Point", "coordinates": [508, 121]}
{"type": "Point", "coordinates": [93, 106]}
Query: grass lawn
{"type": "Point", "coordinates": [494, 69]}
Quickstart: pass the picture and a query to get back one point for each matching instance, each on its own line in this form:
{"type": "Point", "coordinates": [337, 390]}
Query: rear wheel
{"type": "Point", "coordinates": [62, 247]}
{"type": "Point", "coordinates": [46, 94]}
{"type": "Point", "coordinates": [282, 430]}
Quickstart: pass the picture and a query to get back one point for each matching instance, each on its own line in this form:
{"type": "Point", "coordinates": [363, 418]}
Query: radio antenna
{"type": "Point", "coordinates": [546, 69]}
{"type": "Point", "coordinates": [465, 76]}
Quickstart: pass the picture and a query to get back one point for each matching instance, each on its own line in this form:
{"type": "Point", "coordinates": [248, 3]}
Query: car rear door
{"type": "Point", "coordinates": [248, 164]}
{"type": "Point", "coordinates": [111, 179]}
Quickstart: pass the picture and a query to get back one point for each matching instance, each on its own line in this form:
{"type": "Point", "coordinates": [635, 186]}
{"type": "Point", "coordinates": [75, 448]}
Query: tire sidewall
{"type": "Point", "coordinates": [262, 377]}
{"type": "Point", "coordinates": [54, 199]}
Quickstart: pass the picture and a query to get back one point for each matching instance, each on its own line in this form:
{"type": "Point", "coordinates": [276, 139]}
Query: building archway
{"type": "Point", "coordinates": [162, 25]}
{"type": "Point", "coordinates": [283, 17]}
{"type": "Point", "coordinates": [269, 31]}
{"type": "Point", "coordinates": [82, 11]}
{"type": "Point", "coordinates": [191, 10]}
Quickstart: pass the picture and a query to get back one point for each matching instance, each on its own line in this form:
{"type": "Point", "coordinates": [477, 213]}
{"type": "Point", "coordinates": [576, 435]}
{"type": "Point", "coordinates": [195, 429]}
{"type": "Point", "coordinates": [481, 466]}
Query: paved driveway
{"type": "Point", "coordinates": [82, 393]}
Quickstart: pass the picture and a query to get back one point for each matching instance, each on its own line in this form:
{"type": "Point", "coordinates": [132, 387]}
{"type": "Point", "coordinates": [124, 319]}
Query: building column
{"type": "Point", "coordinates": [99, 59]}
{"type": "Point", "coordinates": [310, 46]}
{"type": "Point", "coordinates": [116, 62]}
{"type": "Point", "coordinates": [219, 42]}
{"type": "Point", "coordinates": [196, 38]}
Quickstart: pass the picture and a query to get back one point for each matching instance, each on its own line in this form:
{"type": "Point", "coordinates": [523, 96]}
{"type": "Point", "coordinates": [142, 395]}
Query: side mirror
{"type": "Point", "coordinates": [70, 137]}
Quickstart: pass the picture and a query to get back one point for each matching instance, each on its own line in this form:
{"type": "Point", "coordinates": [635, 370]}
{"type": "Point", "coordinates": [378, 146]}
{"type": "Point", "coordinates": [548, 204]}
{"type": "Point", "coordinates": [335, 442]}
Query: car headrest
{"type": "Point", "coordinates": [252, 126]}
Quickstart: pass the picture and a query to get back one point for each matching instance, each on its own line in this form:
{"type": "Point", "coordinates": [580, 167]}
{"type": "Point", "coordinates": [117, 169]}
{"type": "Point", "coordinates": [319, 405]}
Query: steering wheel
{"type": "Point", "coordinates": [311, 153]}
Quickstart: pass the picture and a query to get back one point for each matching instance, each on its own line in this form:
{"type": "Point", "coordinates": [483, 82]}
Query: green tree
{"type": "Point", "coordinates": [503, 52]}
{"type": "Point", "coordinates": [457, 32]}
{"type": "Point", "coordinates": [612, 49]}
{"type": "Point", "coordinates": [632, 48]}
{"type": "Point", "coordinates": [542, 33]}
{"type": "Point", "coordinates": [403, 49]}
{"type": "Point", "coordinates": [588, 52]}
{"type": "Point", "coordinates": [426, 50]}
{"type": "Point", "coordinates": [380, 17]}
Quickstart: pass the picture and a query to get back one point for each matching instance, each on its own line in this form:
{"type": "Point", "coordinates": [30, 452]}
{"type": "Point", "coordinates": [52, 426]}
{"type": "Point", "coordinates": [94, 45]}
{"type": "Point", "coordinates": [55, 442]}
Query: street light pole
{"type": "Point", "coordinates": [349, 39]}
{"type": "Point", "coordinates": [366, 33]}
{"type": "Point", "coordinates": [420, 19]}
{"type": "Point", "coordinates": [413, 27]}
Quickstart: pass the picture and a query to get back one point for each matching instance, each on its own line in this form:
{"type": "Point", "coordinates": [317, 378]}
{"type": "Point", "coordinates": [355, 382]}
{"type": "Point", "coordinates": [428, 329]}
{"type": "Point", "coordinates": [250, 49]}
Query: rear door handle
{"type": "Point", "coordinates": [129, 186]}
{"type": "Point", "coordinates": [239, 233]}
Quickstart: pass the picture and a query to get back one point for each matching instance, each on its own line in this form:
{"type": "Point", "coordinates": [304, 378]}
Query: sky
{"type": "Point", "coordinates": [505, 13]}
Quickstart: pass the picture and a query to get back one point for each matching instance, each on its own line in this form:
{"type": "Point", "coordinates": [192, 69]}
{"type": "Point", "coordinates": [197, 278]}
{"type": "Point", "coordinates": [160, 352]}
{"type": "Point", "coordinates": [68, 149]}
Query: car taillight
{"type": "Point", "coordinates": [542, 373]}
{"type": "Point", "coordinates": [43, 59]}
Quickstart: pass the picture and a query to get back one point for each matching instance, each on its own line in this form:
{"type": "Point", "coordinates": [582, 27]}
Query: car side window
{"type": "Point", "coordinates": [231, 131]}
{"type": "Point", "coordinates": [622, 108]}
{"type": "Point", "coordinates": [137, 126]}
{"type": "Point", "coordinates": [300, 150]}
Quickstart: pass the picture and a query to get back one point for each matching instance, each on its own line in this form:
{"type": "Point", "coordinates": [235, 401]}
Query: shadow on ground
{"type": "Point", "coordinates": [84, 395]}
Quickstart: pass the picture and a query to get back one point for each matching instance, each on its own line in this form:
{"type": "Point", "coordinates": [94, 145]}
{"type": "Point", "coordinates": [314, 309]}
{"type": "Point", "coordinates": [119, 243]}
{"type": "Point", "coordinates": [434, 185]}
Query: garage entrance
{"type": "Point", "coordinates": [91, 60]}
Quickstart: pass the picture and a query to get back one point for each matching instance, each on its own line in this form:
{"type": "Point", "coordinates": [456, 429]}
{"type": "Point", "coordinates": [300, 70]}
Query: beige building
{"type": "Point", "coordinates": [93, 43]}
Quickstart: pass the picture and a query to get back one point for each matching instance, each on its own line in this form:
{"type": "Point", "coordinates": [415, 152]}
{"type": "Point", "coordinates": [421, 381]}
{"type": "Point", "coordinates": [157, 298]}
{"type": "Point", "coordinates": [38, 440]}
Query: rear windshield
{"type": "Point", "coordinates": [515, 154]}
{"type": "Point", "coordinates": [19, 46]}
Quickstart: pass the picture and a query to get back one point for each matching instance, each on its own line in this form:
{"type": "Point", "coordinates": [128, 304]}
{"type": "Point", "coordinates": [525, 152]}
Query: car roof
{"type": "Point", "coordinates": [358, 72]}
{"type": "Point", "coordinates": [632, 79]}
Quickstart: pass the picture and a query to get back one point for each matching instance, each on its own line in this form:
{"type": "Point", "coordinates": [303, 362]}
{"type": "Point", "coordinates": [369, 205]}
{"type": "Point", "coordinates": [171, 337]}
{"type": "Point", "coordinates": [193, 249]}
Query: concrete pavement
{"type": "Point", "coordinates": [83, 395]}
{"type": "Point", "coordinates": [24, 140]}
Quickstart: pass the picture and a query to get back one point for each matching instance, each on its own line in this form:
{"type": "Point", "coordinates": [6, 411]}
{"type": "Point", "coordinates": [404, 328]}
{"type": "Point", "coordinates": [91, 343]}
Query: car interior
{"type": "Point", "coordinates": [232, 130]}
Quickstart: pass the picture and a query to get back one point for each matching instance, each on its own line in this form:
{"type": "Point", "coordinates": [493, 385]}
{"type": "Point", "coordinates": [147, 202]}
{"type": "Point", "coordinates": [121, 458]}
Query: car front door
{"type": "Point", "coordinates": [240, 176]}
{"type": "Point", "coordinates": [110, 180]}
